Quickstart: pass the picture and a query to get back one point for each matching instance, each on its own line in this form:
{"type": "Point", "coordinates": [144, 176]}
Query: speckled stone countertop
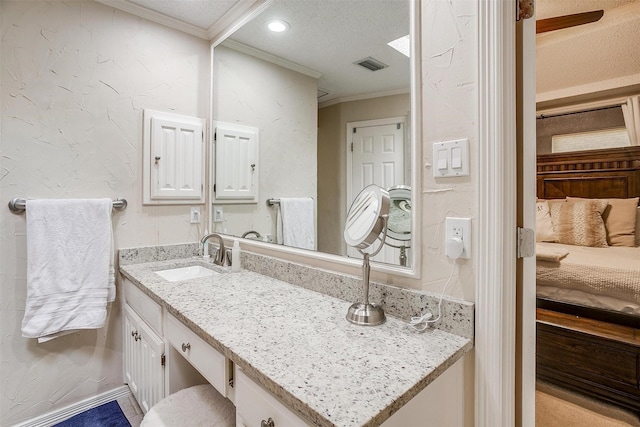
{"type": "Point", "coordinates": [297, 344]}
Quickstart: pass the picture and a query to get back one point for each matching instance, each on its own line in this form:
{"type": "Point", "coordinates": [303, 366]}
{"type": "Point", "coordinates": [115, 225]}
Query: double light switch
{"type": "Point", "coordinates": [451, 158]}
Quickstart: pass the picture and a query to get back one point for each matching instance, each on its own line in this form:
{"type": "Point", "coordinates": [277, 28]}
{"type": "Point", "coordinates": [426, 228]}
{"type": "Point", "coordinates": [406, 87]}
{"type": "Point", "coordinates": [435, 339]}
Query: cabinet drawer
{"type": "Point", "coordinates": [206, 359]}
{"type": "Point", "coordinates": [147, 308]}
{"type": "Point", "coordinates": [254, 404]}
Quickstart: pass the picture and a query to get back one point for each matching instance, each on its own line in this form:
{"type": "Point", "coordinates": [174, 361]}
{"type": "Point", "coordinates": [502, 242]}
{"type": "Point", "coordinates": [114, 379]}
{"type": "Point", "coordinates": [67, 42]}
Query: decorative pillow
{"type": "Point", "coordinates": [580, 223]}
{"type": "Point", "coordinates": [544, 227]}
{"type": "Point", "coordinates": [619, 220]}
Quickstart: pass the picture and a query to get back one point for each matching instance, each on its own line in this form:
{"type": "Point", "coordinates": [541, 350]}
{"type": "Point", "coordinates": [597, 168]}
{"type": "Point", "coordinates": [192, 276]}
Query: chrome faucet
{"type": "Point", "coordinates": [220, 256]}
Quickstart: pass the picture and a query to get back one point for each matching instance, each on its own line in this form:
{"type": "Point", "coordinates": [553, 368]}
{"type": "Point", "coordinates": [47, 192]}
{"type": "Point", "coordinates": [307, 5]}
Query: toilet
{"type": "Point", "coordinates": [199, 405]}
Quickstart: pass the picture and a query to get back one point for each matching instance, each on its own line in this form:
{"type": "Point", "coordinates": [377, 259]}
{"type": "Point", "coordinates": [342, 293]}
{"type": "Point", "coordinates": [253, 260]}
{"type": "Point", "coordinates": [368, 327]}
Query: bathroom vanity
{"type": "Point", "coordinates": [275, 349]}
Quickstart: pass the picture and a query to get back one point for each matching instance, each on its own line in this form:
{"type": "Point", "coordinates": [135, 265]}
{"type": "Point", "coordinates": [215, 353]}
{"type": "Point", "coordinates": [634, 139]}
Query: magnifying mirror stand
{"type": "Point", "coordinates": [365, 313]}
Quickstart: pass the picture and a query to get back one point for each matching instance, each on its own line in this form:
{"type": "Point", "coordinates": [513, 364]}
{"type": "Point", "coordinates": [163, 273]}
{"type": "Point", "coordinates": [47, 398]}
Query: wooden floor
{"type": "Point", "coordinates": [558, 407]}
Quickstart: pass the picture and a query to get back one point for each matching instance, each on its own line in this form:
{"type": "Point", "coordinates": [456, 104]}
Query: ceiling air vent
{"type": "Point", "coordinates": [371, 64]}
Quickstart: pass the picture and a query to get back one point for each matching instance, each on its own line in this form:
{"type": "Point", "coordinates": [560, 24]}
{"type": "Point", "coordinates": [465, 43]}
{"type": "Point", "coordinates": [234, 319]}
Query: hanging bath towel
{"type": "Point", "coordinates": [70, 272]}
{"type": "Point", "coordinates": [296, 223]}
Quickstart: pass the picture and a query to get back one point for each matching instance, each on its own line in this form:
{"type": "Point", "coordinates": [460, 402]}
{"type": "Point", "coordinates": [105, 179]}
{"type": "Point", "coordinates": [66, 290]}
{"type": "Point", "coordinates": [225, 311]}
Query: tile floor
{"type": "Point", "coordinates": [131, 410]}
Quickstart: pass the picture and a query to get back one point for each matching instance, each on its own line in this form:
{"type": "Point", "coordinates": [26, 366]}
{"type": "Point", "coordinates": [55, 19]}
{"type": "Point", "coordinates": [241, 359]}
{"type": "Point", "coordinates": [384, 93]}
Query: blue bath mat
{"type": "Point", "coordinates": [107, 415]}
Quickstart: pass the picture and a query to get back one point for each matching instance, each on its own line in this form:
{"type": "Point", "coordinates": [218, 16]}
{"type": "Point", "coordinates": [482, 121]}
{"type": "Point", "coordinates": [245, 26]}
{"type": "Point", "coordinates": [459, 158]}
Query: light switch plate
{"type": "Point", "coordinates": [451, 158]}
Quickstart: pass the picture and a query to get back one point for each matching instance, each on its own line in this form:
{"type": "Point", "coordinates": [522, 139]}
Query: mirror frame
{"type": "Point", "coordinates": [340, 262]}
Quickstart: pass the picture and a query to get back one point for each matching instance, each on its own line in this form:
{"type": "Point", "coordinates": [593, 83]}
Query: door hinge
{"type": "Point", "coordinates": [398, 126]}
{"type": "Point", "coordinates": [215, 136]}
{"type": "Point", "coordinates": [163, 359]}
{"type": "Point", "coordinates": [352, 147]}
{"type": "Point", "coordinates": [524, 9]}
{"type": "Point", "coordinates": [526, 244]}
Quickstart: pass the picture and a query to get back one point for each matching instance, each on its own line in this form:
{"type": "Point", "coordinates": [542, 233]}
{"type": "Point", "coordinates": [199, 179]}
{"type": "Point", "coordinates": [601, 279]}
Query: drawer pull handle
{"type": "Point", "coordinates": [268, 423]}
{"type": "Point", "coordinates": [136, 336]}
{"type": "Point", "coordinates": [186, 347]}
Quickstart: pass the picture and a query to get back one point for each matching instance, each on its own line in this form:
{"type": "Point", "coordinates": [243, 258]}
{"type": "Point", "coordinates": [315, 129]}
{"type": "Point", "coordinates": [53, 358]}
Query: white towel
{"type": "Point", "coordinates": [295, 223]}
{"type": "Point", "coordinates": [70, 272]}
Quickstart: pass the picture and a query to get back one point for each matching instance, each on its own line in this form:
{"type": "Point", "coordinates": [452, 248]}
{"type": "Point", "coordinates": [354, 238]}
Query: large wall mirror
{"type": "Point", "coordinates": [326, 122]}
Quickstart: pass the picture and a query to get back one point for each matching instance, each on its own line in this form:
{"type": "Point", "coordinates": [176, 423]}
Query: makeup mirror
{"type": "Point", "coordinates": [367, 221]}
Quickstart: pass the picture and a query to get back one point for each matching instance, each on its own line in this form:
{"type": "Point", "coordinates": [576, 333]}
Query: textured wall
{"type": "Point", "coordinates": [282, 104]}
{"type": "Point", "coordinates": [75, 78]}
{"type": "Point", "coordinates": [575, 123]}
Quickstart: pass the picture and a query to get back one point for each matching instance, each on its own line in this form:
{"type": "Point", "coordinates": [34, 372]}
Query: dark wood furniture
{"type": "Point", "coordinates": [592, 351]}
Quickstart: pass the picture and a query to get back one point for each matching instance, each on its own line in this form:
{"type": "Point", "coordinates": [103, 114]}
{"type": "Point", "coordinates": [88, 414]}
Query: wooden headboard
{"type": "Point", "coordinates": [613, 173]}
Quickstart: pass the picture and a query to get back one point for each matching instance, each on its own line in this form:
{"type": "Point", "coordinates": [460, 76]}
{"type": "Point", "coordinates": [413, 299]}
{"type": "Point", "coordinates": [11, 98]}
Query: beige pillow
{"type": "Point", "coordinates": [580, 223]}
{"type": "Point", "coordinates": [619, 220]}
{"type": "Point", "coordinates": [544, 227]}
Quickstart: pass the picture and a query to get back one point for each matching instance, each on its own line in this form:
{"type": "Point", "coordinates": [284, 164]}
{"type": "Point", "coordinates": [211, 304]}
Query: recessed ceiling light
{"type": "Point", "coordinates": [278, 26]}
{"type": "Point", "coordinates": [402, 45]}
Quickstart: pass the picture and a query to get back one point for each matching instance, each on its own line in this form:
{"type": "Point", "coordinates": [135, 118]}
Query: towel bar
{"type": "Point", "coordinates": [271, 202]}
{"type": "Point", "coordinates": [19, 205]}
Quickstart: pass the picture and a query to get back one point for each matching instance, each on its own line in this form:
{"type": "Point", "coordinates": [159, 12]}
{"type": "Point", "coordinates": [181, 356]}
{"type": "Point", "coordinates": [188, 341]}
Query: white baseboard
{"type": "Point", "coordinates": [67, 412]}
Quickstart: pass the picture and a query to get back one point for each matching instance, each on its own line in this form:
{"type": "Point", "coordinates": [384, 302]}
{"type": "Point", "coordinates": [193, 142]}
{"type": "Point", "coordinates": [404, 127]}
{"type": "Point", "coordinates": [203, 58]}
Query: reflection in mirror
{"type": "Point", "coordinates": [301, 89]}
{"type": "Point", "coordinates": [367, 220]}
{"type": "Point", "coordinates": [399, 224]}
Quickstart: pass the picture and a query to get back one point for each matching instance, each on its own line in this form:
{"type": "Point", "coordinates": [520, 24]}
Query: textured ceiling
{"type": "Point", "coordinates": [329, 36]}
{"type": "Point", "coordinates": [594, 57]}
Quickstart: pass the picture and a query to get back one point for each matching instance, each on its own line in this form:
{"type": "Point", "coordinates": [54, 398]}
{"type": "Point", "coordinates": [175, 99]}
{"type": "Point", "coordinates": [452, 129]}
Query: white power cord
{"type": "Point", "coordinates": [426, 318]}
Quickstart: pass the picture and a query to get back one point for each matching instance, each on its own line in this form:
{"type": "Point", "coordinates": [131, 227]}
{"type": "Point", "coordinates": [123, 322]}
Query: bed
{"type": "Point", "coordinates": [588, 293]}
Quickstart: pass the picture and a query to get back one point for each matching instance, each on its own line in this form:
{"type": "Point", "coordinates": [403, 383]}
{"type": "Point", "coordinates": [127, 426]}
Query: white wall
{"type": "Point", "coordinates": [75, 78]}
{"type": "Point", "coordinates": [282, 104]}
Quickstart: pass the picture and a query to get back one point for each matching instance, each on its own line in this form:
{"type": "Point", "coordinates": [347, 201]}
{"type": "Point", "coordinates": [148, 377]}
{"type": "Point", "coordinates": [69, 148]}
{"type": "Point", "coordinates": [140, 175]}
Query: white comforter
{"type": "Point", "coordinates": [601, 277]}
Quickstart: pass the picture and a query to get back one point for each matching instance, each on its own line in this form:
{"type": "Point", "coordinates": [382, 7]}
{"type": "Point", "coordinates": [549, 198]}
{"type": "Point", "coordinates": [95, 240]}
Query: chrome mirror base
{"type": "Point", "coordinates": [366, 314]}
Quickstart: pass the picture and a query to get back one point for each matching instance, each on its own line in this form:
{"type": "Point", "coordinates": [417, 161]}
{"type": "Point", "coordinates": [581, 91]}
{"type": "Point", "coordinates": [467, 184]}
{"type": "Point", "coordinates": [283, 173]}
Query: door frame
{"type": "Point", "coordinates": [496, 364]}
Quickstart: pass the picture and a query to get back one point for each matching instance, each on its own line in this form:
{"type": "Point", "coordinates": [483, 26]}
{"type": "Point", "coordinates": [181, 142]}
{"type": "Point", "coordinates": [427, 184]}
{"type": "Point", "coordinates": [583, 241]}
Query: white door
{"type": "Point", "coordinates": [526, 274]}
{"type": "Point", "coordinates": [377, 157]}
{"type": "Point", "coordinates": [173, 165]}
{"type": "Point", "coordinates": [236, 163]}
{"type": "Point", "coordinates": [177, 152]}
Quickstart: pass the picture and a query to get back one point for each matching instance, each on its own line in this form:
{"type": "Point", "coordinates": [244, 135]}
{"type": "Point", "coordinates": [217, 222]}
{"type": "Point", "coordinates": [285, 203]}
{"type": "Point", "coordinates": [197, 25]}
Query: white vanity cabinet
{"type": "Point", "coordinates": [255, 406]}
{"type": "Point", "coordinates": [143, 347]}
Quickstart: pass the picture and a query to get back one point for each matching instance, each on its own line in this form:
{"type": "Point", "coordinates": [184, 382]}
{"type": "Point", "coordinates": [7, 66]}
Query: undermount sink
{"type": "Point", "coordinates": [185, 273]}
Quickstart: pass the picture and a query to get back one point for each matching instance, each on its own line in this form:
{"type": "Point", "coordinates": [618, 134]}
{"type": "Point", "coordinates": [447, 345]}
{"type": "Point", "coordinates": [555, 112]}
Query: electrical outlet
{"type": "Point", "coordinates": [218, 214]}
{"type": "Point", "coordinates": [459, 228]}
{"type": "Point", "coordinates": [195, 215]}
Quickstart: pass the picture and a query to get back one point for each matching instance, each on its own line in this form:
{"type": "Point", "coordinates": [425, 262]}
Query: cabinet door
{"type": "Point", "coordinates": [236, 163]}
{"type": "Point", "coordinates": [131, 324]}
{"type": "Point", "coordinates": [151, 369]}
{"type": "Point", "coordinates": [173, 158]}
{"type": "Point", "coordinates": [143, 363]}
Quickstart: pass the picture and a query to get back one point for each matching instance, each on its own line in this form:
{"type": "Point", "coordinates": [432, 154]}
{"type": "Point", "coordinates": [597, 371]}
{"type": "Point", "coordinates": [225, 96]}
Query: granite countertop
{"type": "Point", "coordinates": [298, 345]}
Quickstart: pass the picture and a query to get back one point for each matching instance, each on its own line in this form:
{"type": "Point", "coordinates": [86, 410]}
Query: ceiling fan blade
{"type": "Point", "coordinates": [566, 21]}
